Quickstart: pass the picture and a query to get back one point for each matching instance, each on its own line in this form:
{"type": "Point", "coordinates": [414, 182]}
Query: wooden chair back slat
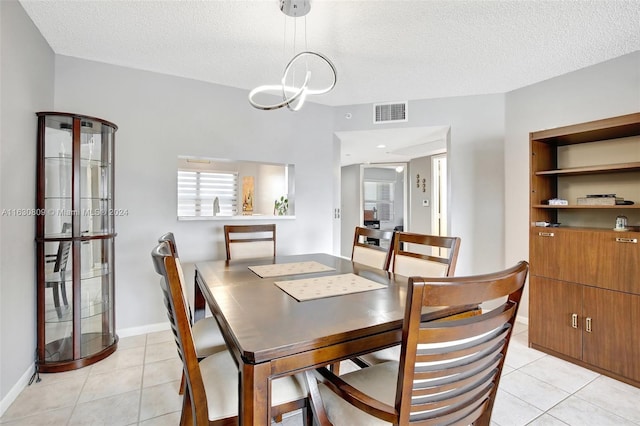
{"type": "Point", "coordinates": [444, 386]}
{"type": "Point", "coordinates": [430, 249]}
{"type": "Point", "coordinates": [250, 241]}
{"type": "Point", "coordinates": [377, 256]}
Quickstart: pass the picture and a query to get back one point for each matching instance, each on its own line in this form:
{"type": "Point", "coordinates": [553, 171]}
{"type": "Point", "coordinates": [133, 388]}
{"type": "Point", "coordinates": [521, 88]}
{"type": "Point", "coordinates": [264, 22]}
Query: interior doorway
{"type": "Point", "coordinates": [439, 225]}
{"type": "Point", "coordinates": [383, 196]}
{"type": "Point", "coordinates": [372, 147]}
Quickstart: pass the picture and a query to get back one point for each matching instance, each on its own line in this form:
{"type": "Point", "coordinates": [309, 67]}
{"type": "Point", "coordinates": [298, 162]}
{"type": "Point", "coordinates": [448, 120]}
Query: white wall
{"type": "Point", "coordinates": [350, 206]}
{"type": "Point", "coordinates": [160, 117]}
{"type": "Point", "coordinates": [420, 216]}
{"type": "Point", "coordinates": [476, 169]}
{"type": "Point", "coordinates": [27, 87]}
{"type": "Point", "coordinates": [604, 90]}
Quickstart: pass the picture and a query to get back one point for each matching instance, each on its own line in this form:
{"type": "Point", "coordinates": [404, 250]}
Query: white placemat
{"type": "Point", "coordinates": [282, 269]}
{"type": "Point", "coordinates": [332, 285]}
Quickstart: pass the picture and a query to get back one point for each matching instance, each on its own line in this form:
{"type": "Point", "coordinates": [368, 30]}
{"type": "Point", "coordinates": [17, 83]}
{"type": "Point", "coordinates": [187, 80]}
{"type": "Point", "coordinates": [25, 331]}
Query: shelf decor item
{"type": "Point", "coordinates": [75, 235]}
{"type": "Point", "coordinates": [281, 206]}
{"type": "Point", "coordinates": [248, 191]}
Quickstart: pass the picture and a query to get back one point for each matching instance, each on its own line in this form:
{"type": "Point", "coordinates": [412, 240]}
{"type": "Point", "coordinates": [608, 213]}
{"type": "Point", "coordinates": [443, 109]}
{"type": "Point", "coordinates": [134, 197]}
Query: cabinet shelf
{"type": "Point", "coordinates": [575, 206]}
{"type": "Point", "coordinates": [68, 159]}
{"type": "Point", "coordinates": [97, 345]}
{"type": "Point", "coordinates": [593, 131]}
{"type": "Point", "coordinates": [605, 168]}
{"type": "Point", "coordinates": [84, 236]}
{"type": "Point", "coordinates": [610, 231]}
{"type": "Point", "coordinates": [81, 198]}
{"type": "Point", "coordinates": [94, 309]}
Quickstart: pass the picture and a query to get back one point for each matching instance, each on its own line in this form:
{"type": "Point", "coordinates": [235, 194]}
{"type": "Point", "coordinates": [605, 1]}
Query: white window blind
{"type": "Point", "coordinates": [198, 189]}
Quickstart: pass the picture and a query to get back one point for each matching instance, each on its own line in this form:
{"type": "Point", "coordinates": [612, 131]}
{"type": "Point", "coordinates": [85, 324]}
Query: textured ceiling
{"type": "Point", "coordinates": [383, 50]}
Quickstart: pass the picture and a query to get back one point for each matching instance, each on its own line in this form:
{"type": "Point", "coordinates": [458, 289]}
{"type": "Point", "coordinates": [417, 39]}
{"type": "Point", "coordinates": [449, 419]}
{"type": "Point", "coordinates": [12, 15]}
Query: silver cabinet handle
{"type": "Point", "coordinates": [546, 234]}
{"type": "Point", "coordinates": [627, 240]}
{"type": "Point", "coordinates": [574, 320]}
{"type": "Point", "coordinates": [588, 325]}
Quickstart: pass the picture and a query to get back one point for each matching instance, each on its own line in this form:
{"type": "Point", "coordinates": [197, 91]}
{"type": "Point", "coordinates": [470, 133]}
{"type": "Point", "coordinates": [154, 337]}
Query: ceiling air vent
{"type": "Point", "coordinates": [390, 112]}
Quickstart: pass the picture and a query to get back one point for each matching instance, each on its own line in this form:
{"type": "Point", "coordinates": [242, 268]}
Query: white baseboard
{"type": "Point", "coordinates": [22, 383]}
{"type": "Point", "coordinates": [523, 320]}
{"type": "Point", "coordinates": [149, 328]}
{"type": "Point", "coordinates": [16, 389]}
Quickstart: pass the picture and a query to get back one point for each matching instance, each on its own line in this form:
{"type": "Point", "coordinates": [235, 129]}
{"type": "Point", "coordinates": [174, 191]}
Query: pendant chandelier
{"type": "Point", "coordinates": [297, 80]}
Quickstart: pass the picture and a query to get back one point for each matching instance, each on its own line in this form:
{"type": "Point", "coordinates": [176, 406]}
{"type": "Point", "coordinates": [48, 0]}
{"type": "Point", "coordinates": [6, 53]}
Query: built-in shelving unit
{"type": "Point", "coordinates": [584, 286]}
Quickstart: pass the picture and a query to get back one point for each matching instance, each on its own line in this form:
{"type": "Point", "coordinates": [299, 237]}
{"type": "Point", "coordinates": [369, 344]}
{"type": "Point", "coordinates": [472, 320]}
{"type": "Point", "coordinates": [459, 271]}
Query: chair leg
{"type": "Point", "coordinates": [307, 414]}
{"type": "Point", "coordinates": [182, 384]}
{"type": "Point", "coordinates": [186, 417]}
{"type": "Point", "coordinates": [63, 292]}
{"type": "Point", "coordinates": [56, 299]}
{"type": "Point", "coordinates": [316, 406]}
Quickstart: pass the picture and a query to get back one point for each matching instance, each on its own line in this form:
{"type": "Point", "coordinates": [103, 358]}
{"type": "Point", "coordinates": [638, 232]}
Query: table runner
{"type": "Point", "coordinates": [282, 269]}
{"type": "Point", "coordinates": [332, 285]}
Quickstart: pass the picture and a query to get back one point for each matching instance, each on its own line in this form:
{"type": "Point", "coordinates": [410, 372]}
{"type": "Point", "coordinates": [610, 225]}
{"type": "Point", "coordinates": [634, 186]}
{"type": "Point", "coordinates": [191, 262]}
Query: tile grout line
{"type": "Point", "coordinates": [75, 404]}
{"type": "Point", "coordinates": [597, 405]}
{"type": "Point", "coordinates": [144, 365]}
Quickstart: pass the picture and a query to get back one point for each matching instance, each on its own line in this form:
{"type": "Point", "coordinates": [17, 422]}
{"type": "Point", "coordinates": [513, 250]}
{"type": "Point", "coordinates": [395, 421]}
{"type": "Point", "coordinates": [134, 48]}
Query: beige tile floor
{"type": "Point", "coordinates": [137, 385]}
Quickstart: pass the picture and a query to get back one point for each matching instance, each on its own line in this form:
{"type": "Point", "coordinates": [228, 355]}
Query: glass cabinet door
{"type": "Point", "coordinates": [58, 170]}
{"type": "Point", "coordinates": [75, 234]}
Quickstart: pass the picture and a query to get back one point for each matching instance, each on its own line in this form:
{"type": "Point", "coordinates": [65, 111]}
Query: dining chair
{"type": "Point", "coordinates": [372, 247]}
{"type": "Point", "coordinates": [57, 279]}
{"type": "Point", "coordinates": [424, 255]}
{"type": "Point", "coordinates": [448, 372]}
{"type": "Point", "coordinates": [250, 241]}
{"type": "Point", "coordinates": [418, 255]}
{"type": "Point", "coordinates": [207, 337]}
{"type": "Point", "coordinates": [211, 392]}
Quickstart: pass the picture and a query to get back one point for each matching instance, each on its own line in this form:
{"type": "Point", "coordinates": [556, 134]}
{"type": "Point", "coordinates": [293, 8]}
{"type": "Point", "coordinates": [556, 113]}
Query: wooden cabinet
{"type": "Point", "coordinates": [611, 338]}
{"type": "Point", "coordinates": [75, 235]}
{"type": "Point", "coordinates": [584, 291]}
{"type": "Point", "coordinates": [554, 311]}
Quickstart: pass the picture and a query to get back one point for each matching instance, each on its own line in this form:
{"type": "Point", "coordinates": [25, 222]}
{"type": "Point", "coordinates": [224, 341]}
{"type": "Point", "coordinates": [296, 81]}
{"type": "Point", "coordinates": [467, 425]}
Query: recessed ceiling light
{"type": "Point", "coordinates": [381, 146]}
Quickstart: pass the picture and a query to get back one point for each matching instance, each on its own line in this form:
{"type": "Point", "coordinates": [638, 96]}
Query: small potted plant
{"type": "Point", "coordinates": [281, 206]}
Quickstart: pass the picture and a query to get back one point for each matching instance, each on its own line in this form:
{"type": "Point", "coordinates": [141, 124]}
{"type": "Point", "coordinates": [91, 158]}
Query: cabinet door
{"type": "Point", "coordinates": [619, 267]}
{"type": "Point", "coordinates": [564, 254]}
{"type": "Point", "coordinates": [614, 340]}
{"type": "Point", "coordinates": [554, 309]}
{"type": "Point", "coordinates": [546, 250]}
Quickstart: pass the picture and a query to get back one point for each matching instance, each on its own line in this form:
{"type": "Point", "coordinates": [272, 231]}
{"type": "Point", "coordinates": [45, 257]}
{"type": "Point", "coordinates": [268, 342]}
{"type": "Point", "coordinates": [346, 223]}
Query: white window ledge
{"type": "Point", "coordinates": [235, 218]}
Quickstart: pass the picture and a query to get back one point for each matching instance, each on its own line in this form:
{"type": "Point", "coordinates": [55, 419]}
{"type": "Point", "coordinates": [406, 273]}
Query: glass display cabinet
{"type": "Point", "coordinates": [74, 241]}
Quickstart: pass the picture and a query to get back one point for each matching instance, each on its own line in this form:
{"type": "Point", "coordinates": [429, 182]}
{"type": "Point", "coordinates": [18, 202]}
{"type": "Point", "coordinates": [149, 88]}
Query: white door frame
{"type": "Point", "coordinates": [439, 203]}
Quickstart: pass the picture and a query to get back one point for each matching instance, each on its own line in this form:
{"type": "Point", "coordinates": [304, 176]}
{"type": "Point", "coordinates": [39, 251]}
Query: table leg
{"type": "Point", "coordinates": [255, 394]}
{"type": "Point", "coordinates": [198, 298]}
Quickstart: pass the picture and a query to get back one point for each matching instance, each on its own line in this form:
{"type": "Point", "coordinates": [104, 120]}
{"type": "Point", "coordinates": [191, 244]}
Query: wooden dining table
{"type": "Point", "coordinates": [271, 334]}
